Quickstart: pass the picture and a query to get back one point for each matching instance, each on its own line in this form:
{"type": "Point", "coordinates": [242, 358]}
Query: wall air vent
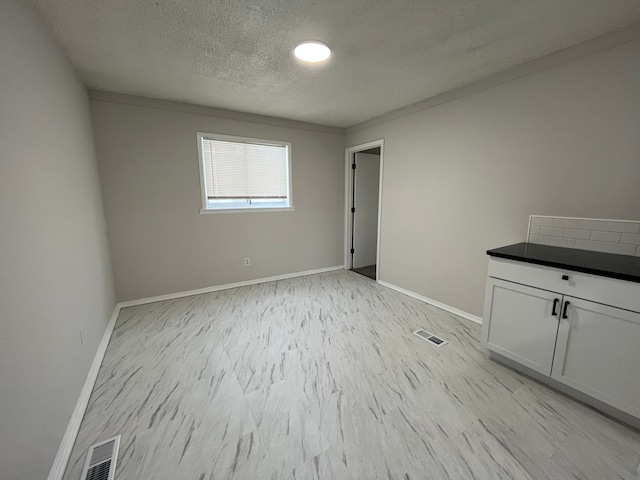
{"type": "Point", "coordinates": [101, 460]}
{"type": "Point", "coordinates": [431, 338]}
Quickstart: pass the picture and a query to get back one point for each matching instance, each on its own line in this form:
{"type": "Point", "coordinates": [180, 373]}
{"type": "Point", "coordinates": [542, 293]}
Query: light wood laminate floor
{"type": "Point", "coordinates": [320, 377]}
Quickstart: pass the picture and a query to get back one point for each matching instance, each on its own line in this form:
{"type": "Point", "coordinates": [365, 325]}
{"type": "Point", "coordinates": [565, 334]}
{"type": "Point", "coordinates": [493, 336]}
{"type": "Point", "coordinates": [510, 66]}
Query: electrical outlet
{"type": "Point", "coordinates": [247, 261]}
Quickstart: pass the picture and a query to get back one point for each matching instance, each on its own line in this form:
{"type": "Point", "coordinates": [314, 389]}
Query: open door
{"type": "Point", "coordinates": [364, 210]}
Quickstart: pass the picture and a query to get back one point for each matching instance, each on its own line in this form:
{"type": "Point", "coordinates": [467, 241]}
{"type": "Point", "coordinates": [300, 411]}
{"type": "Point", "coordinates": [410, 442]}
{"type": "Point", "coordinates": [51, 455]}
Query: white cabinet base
{"type": "Point", "coordinates": [597, 352]}
{"type": "Point", "coordinates": [560, 328]}
{"type": "Point", "coordinates": [571, 392]}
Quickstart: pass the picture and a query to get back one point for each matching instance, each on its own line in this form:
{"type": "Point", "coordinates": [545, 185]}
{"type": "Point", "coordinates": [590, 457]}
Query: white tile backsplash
{"type": "Point", "coordinates": [552, 231]}
{"type": "Point", "coordinates": [611, 236]}
{"type": "Point", "coordinates": [631, 238]}
{"type": "Point", "coordinates": [577, 233]}
{"type": "Point", "coordinates": [562, 242]}
{"type": "Point", "coordinates": [566, 222]}
{"type": "Point", "coordinates": [609, 226]}
{"type": "Point", "coordinates": [539, 239]}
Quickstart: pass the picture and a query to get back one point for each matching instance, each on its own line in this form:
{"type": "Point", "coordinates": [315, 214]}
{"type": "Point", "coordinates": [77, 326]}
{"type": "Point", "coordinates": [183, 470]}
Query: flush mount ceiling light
{"type": "Point", "coordinates": [312, 52]}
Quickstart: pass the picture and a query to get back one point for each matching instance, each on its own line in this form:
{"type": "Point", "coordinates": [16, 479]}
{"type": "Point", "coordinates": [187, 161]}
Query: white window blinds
{"type": "Point", "coordinates": [239, 170]}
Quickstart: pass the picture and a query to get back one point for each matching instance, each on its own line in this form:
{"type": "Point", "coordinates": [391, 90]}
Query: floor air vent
{"type": "Point", "coordinates": [431, 338]}
{"type": "Point", "coordinates": [101, 460]}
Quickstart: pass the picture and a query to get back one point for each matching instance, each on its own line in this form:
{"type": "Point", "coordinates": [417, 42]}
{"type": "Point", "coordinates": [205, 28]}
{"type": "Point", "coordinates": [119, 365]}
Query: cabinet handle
{"type": "Point", "coordinates": [564, 312]}
{"type": "Point", "coordinates": [555, 304]}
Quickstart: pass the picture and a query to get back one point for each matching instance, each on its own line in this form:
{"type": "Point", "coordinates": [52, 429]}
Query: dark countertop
{"type": "Point", "coordinates": [623, 267]}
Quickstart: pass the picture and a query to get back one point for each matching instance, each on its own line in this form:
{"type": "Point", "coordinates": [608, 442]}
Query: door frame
{"type": "Point", "coordinates": [348, 193]}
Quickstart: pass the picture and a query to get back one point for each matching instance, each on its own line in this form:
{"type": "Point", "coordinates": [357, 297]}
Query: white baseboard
{"type": "Point", "coordinates": [435, 303]}
{"type": "Point", "coordinates": [200, 291]}
{"type": "Point", "coordinates": [69, 438]}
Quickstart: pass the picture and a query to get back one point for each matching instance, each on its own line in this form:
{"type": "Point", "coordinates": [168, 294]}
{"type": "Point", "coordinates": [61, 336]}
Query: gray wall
{"type": "Point", "coordinates": [464, 176]}
{"type": "Point", "coordinates": [160, 242]}
{"type": "Point", "coordinates": [55, 273]}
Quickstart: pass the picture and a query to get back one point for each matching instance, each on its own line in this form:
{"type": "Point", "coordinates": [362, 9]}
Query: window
{"type": "Point", "coordinates": [244, 174]}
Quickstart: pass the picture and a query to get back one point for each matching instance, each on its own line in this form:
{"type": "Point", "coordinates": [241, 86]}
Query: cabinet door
{"type": "Point", "coordinates": [521, 324]}
{"type": "Point", "coordinates": [598, 353]}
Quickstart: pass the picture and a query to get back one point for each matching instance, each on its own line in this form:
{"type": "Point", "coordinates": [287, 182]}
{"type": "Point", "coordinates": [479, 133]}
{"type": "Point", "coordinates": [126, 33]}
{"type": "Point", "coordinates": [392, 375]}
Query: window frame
{"type": "Point", "coordinates": [246, 207]}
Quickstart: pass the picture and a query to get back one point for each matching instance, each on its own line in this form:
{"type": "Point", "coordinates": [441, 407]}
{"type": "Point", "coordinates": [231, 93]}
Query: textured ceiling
{"type": "Point", "coordinates": [237, 54]}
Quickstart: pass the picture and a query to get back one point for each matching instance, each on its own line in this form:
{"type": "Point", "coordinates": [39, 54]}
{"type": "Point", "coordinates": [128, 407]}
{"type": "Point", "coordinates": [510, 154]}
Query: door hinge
{"type": "Point", "coordinates": [353, 165]}
{"type": "Point", "coordinates": [353, 209]}
{"type": "Point", "coordinates": [353, 250]}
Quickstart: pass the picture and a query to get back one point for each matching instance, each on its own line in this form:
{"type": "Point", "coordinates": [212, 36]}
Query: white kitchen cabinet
{"type": "Point", "coordinates": [597, 353]}
{"type": "Point", "coordinates": [582, 331]}
{"type": "Point", "coordinates": [524, 324]}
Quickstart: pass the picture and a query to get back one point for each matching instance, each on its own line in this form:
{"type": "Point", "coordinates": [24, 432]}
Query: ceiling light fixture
{"type": "Point", "coordinates": [312, 52]}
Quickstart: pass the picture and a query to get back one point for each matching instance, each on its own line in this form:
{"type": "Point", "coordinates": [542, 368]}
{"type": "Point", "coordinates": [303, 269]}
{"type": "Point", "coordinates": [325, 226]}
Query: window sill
{"type": "Point", "coordinates": [205, 211]}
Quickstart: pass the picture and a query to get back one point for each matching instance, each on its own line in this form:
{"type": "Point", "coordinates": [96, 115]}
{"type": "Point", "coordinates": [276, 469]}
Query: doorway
{"type": "Point", "coordinates": [364, 181]}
